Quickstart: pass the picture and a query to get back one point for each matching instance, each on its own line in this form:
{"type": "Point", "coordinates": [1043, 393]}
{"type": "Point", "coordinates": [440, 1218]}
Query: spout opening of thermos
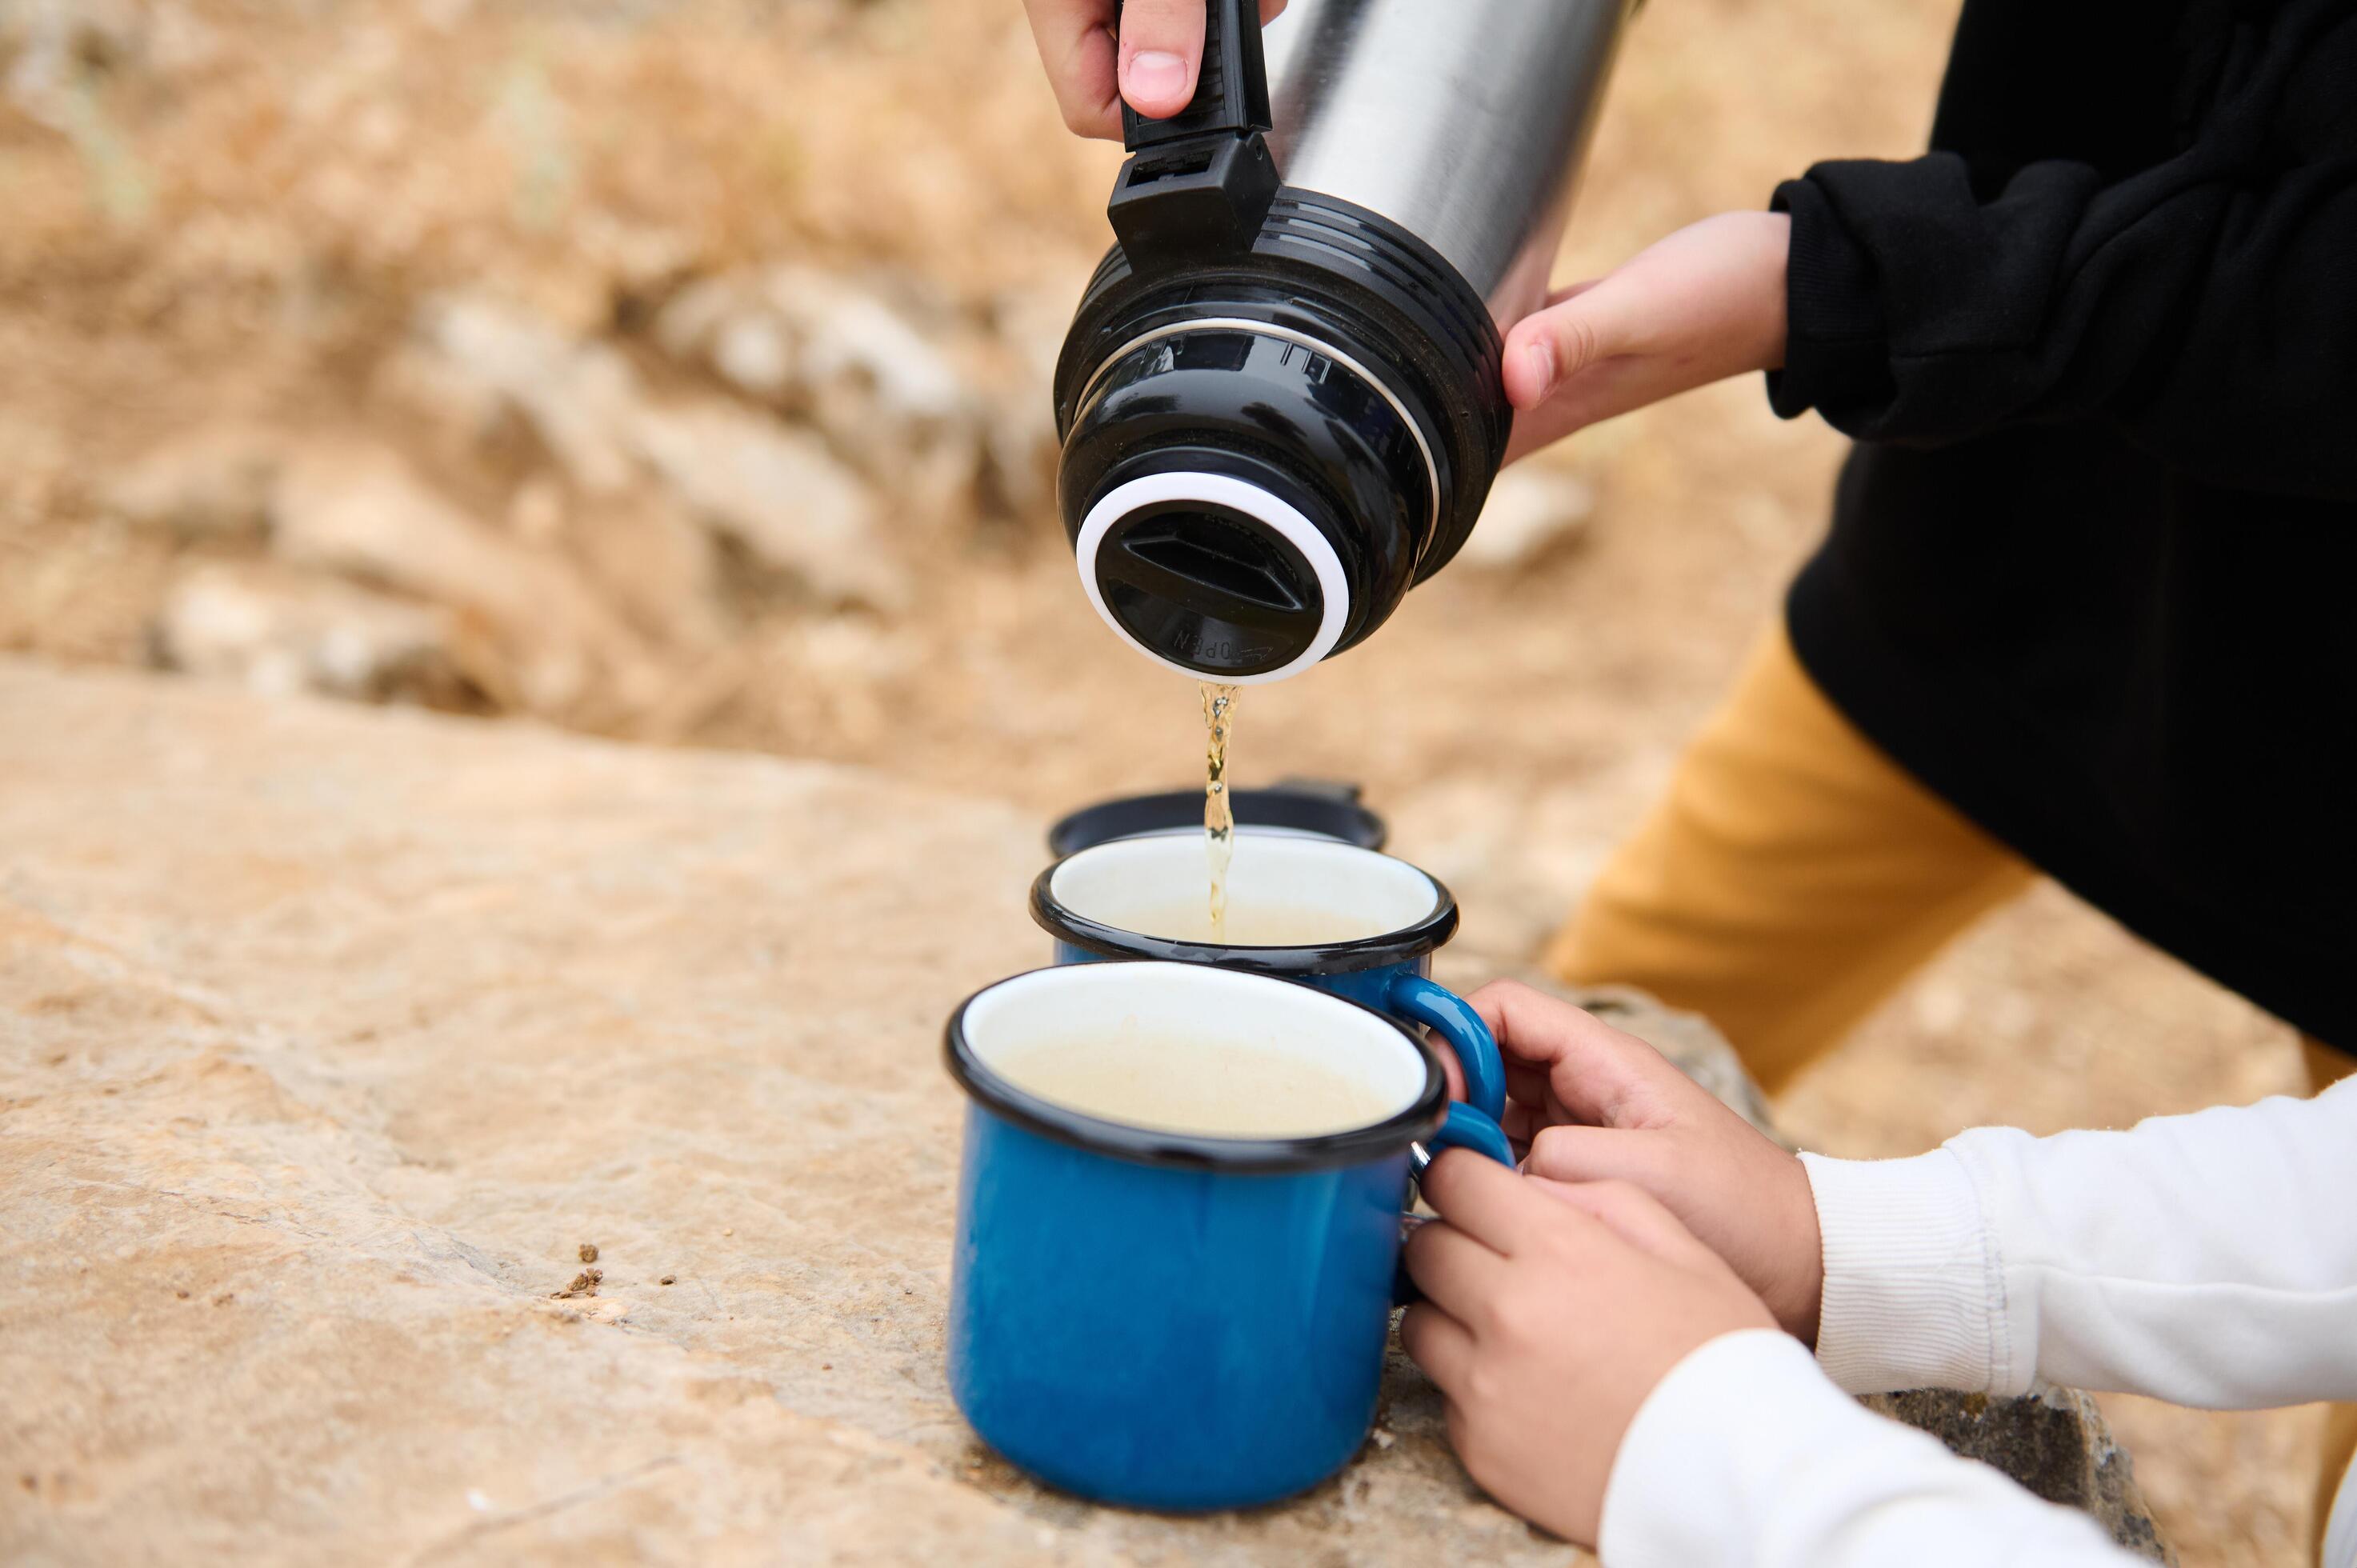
{"type": "Point", "coordinates": [1213, 576]}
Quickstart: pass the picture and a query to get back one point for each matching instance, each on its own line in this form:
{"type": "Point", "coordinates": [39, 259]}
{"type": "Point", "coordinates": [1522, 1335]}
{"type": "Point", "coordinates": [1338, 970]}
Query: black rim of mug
{"type": "Point", "coordinates": [1329, 812]}
{"type": "Point", "coordinates": [1152, 1146]}
{"type": "Point", "coordinates": [1409, 942]}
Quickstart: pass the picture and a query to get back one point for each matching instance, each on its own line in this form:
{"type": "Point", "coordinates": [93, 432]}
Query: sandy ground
{"type": "Point", "coordinates": [220, 209]}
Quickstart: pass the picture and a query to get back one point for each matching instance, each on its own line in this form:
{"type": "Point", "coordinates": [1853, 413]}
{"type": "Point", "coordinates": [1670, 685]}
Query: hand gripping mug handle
{"type": "Point", "coordinates": [1463, 1128]}
{"type": "Point", "coordinates": [1428, 1003]}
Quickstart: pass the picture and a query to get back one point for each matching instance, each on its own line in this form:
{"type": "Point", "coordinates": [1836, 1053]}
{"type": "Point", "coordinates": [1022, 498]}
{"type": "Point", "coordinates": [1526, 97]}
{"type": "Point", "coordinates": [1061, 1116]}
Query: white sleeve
{"type": "Point", "coordinates": [1747, 1454]}
{"type": "Point", "coordinates": [2210, 1259]}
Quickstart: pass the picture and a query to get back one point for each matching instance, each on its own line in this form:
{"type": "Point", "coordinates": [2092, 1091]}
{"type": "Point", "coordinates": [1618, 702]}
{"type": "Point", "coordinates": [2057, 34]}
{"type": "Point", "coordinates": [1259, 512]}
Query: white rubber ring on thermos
{"type": "Point", "coordinates": [1221, 490]}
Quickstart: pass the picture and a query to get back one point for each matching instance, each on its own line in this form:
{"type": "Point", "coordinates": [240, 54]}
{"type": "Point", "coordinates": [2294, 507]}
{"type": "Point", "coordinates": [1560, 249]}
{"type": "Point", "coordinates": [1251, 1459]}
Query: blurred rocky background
{"type": "Point", "coordinates": [678, 373]}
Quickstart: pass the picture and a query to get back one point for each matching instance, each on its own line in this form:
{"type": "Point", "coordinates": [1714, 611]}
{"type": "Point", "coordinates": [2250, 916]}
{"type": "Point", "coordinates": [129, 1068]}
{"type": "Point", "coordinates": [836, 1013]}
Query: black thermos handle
{"type": "Point", "coordinates": [1200, 183]}
{"type": "Point", "coordinates": [1230, 90]}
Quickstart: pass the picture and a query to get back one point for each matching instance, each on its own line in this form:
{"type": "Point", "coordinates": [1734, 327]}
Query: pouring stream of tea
{"type": "Point", "coordinates": [1219, 813]}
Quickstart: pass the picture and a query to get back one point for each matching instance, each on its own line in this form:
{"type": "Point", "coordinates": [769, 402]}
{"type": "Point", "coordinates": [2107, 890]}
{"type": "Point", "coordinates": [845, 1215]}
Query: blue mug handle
{"type": "Point", "coordinates": [1463, 1128]}
{"type": "Point", "coordinates": [1427, 1001]}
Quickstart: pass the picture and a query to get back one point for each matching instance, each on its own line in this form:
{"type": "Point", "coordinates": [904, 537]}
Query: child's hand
{"type": "Point", "coordinates": [1589, 1104]}
{"type": "Point", "coordinates": [1703, 305]}
{"type": "Point", "coordinates": [1161, 47]}
{"type": "Point", "coordinates": [1551, 1312]}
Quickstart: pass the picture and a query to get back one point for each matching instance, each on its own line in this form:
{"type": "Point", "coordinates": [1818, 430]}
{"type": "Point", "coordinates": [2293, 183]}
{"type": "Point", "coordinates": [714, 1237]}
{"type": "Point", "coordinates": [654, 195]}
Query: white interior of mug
{"type": "Point", "coordinates": [1192, 1002]}
{"type": "Point", "coordinates": [1121, 883]}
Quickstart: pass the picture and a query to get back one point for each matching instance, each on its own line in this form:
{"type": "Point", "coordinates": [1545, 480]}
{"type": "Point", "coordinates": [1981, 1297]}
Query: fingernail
{"type": "Point", "coordinates": [1157, 74]}
{"type": "Point", "coordinates": [1540, 357]}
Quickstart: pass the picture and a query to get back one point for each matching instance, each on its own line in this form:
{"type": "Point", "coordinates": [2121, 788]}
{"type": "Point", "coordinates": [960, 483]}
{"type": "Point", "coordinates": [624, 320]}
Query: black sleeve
{"type": "Point", "coordinates": [2206, 306]}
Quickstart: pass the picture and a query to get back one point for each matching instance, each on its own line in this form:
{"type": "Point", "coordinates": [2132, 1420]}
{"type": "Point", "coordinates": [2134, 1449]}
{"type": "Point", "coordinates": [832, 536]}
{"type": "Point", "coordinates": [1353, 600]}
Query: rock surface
{"type": "Point", "coordinates": [2053, 1440]}
{"type": "Point", "coordinates": [773, 488]}
{"type": "Point", "coordinates": [276, 637]}
{"type": "Point", "coordinates": [208, 483]}
{"type": "Point", "coordinates": [334, 1044]}
{"type": "Point", "coordinates": [328, 1035]}
{"type": "Point", "coordinates": [357, 509]}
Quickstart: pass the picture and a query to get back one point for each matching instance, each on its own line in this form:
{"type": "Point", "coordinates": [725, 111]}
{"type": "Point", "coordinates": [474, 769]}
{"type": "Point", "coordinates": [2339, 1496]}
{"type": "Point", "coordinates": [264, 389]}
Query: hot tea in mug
{"type": "Point", "coordinates": [1349, 920]}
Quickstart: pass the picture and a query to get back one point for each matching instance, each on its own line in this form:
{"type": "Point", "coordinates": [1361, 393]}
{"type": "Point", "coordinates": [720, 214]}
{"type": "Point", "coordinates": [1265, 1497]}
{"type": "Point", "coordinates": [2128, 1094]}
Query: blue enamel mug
{"type": "Point", "coordinates": [1122, 899]}
{"type": "Point", "coordinates": [1168, 1318]}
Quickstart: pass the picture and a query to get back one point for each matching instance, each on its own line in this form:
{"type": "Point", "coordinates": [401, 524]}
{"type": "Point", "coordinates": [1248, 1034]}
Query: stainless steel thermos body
{"type": "Point", "coordinates": [1461, 121]}
{"type": "Point", "coordinates": [1280, 398]}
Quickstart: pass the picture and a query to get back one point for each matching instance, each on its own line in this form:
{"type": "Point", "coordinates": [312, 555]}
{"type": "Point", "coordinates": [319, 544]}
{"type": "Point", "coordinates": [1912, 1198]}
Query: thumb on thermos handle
{"type": "Point", "coordinates": [1231, 85]}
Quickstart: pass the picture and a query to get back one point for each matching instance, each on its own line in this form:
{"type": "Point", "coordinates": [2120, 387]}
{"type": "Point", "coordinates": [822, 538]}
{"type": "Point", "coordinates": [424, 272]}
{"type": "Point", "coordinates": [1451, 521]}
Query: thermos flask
{"type": "Point", "coordinates": [1280, 401]}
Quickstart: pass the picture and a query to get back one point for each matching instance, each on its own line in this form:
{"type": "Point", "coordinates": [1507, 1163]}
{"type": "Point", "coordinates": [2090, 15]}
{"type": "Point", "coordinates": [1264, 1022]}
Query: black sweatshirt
{"type": "Point", "coordinates": [2092, 569]}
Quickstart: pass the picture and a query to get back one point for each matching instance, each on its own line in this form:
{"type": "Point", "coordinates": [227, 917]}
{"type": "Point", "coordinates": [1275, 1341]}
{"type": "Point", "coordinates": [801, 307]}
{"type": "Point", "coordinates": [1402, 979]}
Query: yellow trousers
{"type": "Point", "coordinates": [1791, 877]}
